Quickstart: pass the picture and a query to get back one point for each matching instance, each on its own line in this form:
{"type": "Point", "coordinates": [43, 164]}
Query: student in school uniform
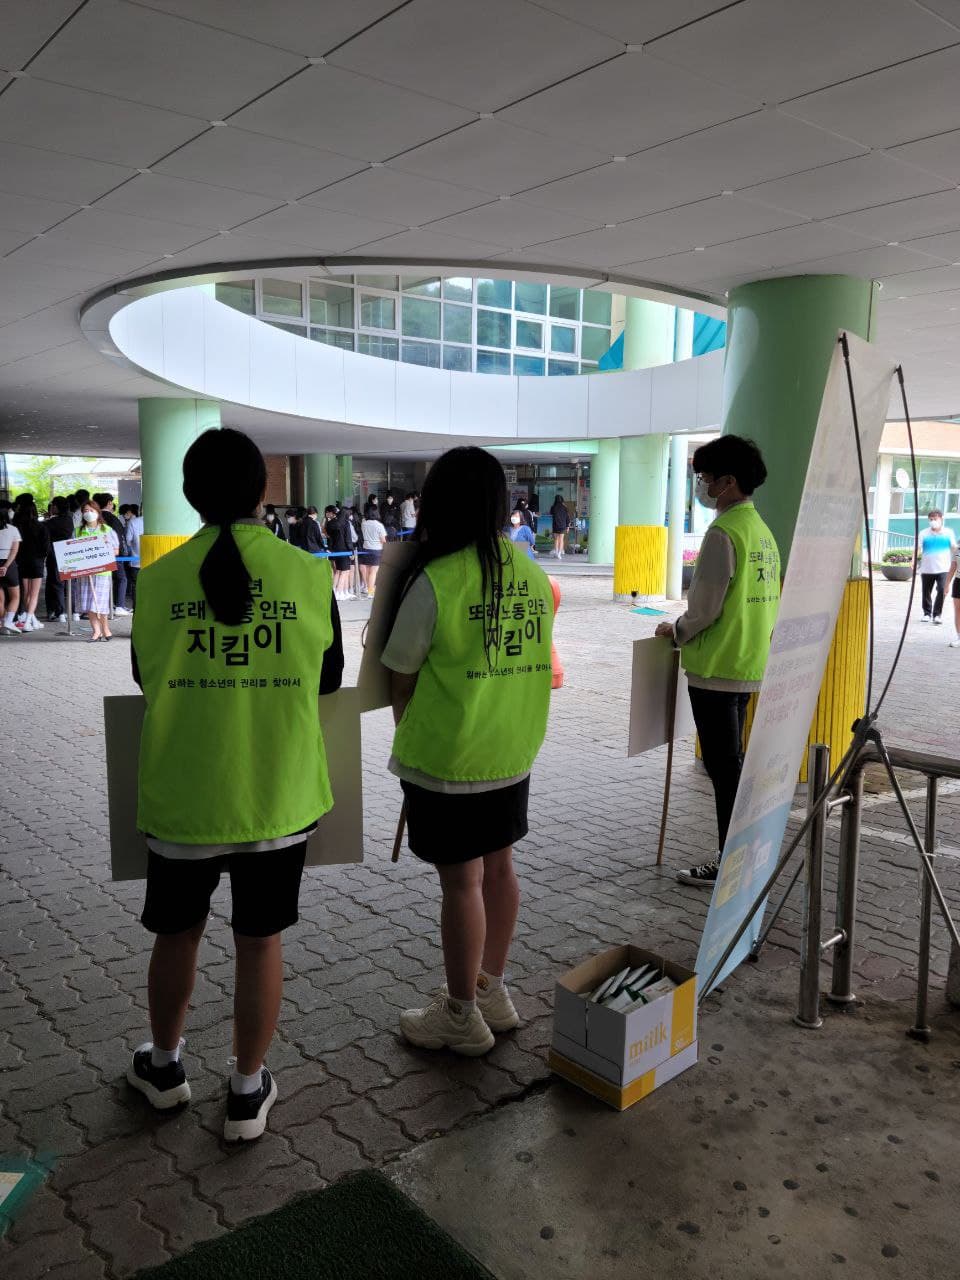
{"type": "Point", "coordinates": [234, 634]}
{"type": "Point", "coordinates": [470, 655]}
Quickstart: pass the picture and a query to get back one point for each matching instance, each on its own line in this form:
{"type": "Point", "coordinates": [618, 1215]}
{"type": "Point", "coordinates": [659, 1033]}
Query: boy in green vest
{"type": "Point", "coordinates": [724, 636]}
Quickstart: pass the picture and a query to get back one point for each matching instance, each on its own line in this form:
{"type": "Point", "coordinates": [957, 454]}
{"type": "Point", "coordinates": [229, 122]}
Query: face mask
{"type": "Point", "coordinates": [514, 519]}
{"type": "Point", "coordinates": [935, 524]}
{"type": "Point", "coordinates": [90, 517]}
{"type": "Point", "coordinates": [704, 497]}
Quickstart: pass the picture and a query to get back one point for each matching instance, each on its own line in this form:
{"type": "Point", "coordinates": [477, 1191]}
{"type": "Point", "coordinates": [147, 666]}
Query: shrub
{"type": "Point", "coordinates": [901, 556]}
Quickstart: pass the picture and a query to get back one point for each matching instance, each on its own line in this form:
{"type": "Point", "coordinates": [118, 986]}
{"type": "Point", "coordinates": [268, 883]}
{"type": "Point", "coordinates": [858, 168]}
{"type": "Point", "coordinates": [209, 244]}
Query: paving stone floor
{"type": "Point", "coordinates": [129, 1189]}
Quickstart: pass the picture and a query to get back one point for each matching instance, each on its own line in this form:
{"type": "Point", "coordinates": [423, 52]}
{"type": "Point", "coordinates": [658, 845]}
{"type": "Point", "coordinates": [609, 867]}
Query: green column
{"type": "Point", "coordinates": [781, 336]}
{"type": "Point", "coordinates": [345, 477]}
{"type": "Point", "coordinates": [320, 479]}
{"type": "Point", "coordinates": [677, 491]}
{"type": "Point", "coordinates": [168, 426]}
{"type": "Point", "coordinates": [604, 500]}
{"type": "Point", "coordinates": [648, 340]}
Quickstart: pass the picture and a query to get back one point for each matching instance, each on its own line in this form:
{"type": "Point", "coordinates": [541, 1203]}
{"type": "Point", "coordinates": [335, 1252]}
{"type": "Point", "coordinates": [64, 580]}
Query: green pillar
{"type": "Point", "coordinates": [648, 340]}
{"type": "Point", "coordinates": [781, 336]}
{"type": "Point", "coordinates": [345, 477]}
{"type": "Point", "coordinates": [320, 479]}
{"type": "Point", "coordinates": [677, 491]}
{"type": "Point", "coordinates": [604, 500]}
{"type": "Point", "coordinates": [168, 427]}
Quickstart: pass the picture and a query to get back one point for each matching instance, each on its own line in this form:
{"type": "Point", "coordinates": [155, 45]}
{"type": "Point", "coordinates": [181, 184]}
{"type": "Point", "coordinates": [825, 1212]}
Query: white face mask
{"type": "Point", "coordinates": [704, 497]}
{"type": "Point", "coordinates": [514, 519]}
{"type": "Point", "coordinates": [90, 517]}
{"type": "Point", "coordinates": [936, 524]}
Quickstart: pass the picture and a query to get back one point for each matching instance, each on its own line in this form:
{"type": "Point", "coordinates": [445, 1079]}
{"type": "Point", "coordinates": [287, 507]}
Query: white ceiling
{"type": "Point", "coordinates": [688, 145]}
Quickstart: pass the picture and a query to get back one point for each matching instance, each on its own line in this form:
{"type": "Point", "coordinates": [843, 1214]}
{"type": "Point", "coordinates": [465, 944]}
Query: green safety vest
{"type": "Point", "coordinates": [736, 645]}
{"type": "Point", "coordinates": [467, 722]}
{"type": "Point", "coordinates": [231, 749]}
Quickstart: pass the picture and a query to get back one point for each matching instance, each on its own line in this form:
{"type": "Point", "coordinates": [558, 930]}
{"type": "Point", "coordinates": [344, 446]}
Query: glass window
{"type": "Point", "coordinates": [494, 293]}
{"type": "Point", "coordinates": [587, 367]}
{"type": "Point", "coordinates": [420, 319]}
{"type": "Point", "coordinates": [492, 362]}
{"type": "Point", "coordinates": [528, 364]}
{"type": "Point", "coordinates": [426, 353]}
{"type": "Point", "coordinates": [377, 312]}
{"type": "Point", "coordinates": [379, 282]}
{"type": "Point", "coordinates": [953, 473]}
{"type": "Point", "coordinates": [283, 297]}
{"type": "Point", "coordinates": [563, 340]}
{"type": "Point", "coordinates": [596, 308]}
{"type": "Point", "coordinates": [594, 342]}
{"type": "Point", "coordinates": [458, 358]}
{"type": "Point", "coordinates": [530, 297]}
{"type": "Point", "coordinates": [458, 289]}
{"type": "Point", "coordinates": [562, 367]}
{"type": "Point", "coordinates": [369, 344]}
{"type": "Point", "coordinates": [427, 288]}
{"type": "Point", "coordinates": [493, 329]}
{"type": "Point", "coordinates": [457, 323]}
{"type": "Point", "coordinates": [331, 304]}
{"type": "Point", "coordinates": [333, 338]}
{"type": "Point", "coordinates": [530, 334]}
{"type": "Point", "coordinates": [299, 329]}
{"type": "Point", "coordinates": [564, 302]}
{"type": "Point", "coordinates": [931, 471]}
{"type": "Point", "coordinates": [239, 294]}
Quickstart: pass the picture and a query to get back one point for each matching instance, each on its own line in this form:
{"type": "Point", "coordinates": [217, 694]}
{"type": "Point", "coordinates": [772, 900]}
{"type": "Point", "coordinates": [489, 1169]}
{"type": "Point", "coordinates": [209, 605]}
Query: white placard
{"type": "Point", "coordinates": [650, 697]}
{"type": "Point", "coordinates": [828, 522]}
{"type": "Point", "coordinates": [82, 557]}
{"type": "Point", "coordinates": [373, 682]}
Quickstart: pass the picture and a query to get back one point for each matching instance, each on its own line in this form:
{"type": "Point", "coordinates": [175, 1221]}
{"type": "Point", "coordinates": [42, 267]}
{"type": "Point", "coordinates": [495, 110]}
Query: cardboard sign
{"type": "Point", "coordinates": [83, 557]}
{"type": "Point", "coordinates": [373, 681]}
{"type": "Point", "coordinates": [650, 697]}
{"type": "Point", "coordinates": [339, 834]}
{"type": "Point", "coordinates": [828, 522]}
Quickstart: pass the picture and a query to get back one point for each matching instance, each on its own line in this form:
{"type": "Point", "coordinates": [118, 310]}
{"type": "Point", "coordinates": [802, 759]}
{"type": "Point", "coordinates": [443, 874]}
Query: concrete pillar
{"type": "Point", "coordinates": [677, 490]}
{"type": "Point", "coordinates": [604, 501]}
{"type": "Point", "coordinates": [320, 475]}
{"type": "Point", "coordinates": [345, 477]}
{"type": "Point", "coordinates": [168, 427]}
{"type": "Point", "coordinates": [781, 336]}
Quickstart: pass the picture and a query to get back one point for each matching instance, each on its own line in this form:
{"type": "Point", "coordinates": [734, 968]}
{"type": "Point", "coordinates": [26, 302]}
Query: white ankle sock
{"type": "Point", "coordinates": [488, 981]}
{"type": "Point", "coordinates": [240, 1083]}
{"type": "Point", "coordinates": [9, 619]}
{"type": "Point", "coordinates": [464, 1007]}
{"type": "Point", "coordinates": [163, 1057]}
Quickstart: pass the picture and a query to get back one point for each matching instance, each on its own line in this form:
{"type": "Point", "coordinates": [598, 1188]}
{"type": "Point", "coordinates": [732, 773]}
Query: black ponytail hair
{"type": "Point", "coordinates": [477, 478]}
{"type": "Point", "coordinates": [224, 478]}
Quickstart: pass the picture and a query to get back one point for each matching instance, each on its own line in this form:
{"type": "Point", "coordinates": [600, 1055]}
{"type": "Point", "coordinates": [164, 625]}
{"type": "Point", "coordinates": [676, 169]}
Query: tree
{"type": "Point", "coordinates": [35, 478]}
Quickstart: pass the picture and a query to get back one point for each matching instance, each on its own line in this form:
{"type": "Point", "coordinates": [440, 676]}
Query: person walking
{"type": "Point", "coordinates": [561, 523]}
{"type": "Point", "coordinates": [521, 532]}
{"type": "Point", "coordinates": [724, 636]}
{"type": "Point", "coordinates": [935, 554]}
{"type": "Point", "coordinates": [9, 576]}
{"type": "Point", "coordinates": [469, 652]}
{"type": "Point", "coordinates": [34, 546]}
{"type": "Point", "coordinates": [93, 590]}
{"type": "Point", "coordinates": [59, 528]}
{"type": "Point", "coordinates": [373, 536]}
{"type": "Point", "coordinates": [231, 780]}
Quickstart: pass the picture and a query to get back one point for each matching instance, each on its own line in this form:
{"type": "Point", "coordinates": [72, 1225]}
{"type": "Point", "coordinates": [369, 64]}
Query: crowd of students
{"type": "Point", "coordinates": [28, 561]}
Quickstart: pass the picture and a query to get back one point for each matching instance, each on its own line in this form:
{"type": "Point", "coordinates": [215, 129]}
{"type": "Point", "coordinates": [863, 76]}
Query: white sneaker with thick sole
{"type": "Point", "coordinates": [499, 1012]}
{"type": "Point", "coordinates": [443, 1024]}
{"type": "Point", "coordinates": [123, 613]}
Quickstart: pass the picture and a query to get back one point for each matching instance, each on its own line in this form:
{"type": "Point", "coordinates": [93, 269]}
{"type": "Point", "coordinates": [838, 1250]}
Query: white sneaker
{"type": "Point", "coordinates": [9, 631]}
{"type": "Point", "coordinates": [35, 624]}
{"type": "Point", "coordinates": [444, 1025]}
{"type": "Point", "coordinates": [76, 617]}
{"type": "Point", "coordinates": [123, 613]}
{"type": "Point", "coordinates": [499, 1012]}
{"type": "Point", "coordinates": [955, 644]}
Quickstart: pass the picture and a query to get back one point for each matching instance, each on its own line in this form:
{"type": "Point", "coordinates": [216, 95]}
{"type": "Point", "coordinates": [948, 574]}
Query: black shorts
{"type": "Point", "coordinates": [29, 567]}
{"type": "Point", "coordinates": [955, 589]}
{"type": "Point", "coordinates": [370, 557]}
{"type": "Point", "coordinates": [12, 577]}
{"type": "Point", "coordinates": [447, 829]}
{"type": "Point", "coordinates": [264, 887]}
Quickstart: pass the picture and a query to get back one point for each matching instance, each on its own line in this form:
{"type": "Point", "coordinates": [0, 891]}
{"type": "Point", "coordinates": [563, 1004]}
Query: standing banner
{"type": "Point", "coordinates": [830, 517]}
{"type": "Point", "coordinates": [82, 557]}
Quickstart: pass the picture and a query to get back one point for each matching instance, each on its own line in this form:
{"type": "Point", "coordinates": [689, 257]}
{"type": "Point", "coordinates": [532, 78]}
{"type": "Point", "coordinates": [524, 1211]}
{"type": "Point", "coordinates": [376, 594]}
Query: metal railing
{"type": "Point", "coordinates": [884, 540]}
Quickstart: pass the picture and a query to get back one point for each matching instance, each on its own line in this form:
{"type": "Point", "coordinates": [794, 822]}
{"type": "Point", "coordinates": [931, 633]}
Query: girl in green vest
{"type": "Point", "coordinates": [470, 655]}
{"type": "Point", "coordinates": [724, 636]}
{"type": "Point", "coordinates": [234, 634]}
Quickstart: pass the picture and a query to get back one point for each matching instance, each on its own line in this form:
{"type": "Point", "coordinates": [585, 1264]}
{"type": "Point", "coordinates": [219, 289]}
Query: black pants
{"type": "Point", "coordinates": [132, 572]}
{"type": "Point", "coordinates": [120, 587]}
{"type": "Point", "coordinates": [931, 580]}
{"type": "Point", "coordinates": [53, 591]}
{"type": "Point", "coordinates": [719, 718]}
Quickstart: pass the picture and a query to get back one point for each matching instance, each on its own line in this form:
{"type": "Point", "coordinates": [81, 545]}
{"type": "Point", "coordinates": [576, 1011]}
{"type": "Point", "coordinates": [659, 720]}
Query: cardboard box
{"type": "Point", "coordinates": [617, 1097]}
{"type": "Point", "coordinates": [622, 1047]}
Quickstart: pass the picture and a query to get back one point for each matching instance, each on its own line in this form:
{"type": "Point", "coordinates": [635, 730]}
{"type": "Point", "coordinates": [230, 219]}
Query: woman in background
{"type": "Point", "coordinates": [93, 591]}
{"type": "Point", "coordinates": [34, 545]}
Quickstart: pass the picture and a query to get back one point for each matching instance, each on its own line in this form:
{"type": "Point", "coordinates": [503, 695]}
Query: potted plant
{"type": "Point", "coordinates": [689, 561]}
{"type": "Point", "coordinates": [897, 566]}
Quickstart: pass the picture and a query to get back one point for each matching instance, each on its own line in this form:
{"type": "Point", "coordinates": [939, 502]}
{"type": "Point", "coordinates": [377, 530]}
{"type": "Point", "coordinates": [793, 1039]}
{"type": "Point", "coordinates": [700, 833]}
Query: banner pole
{"type": "Point", "coordinates": [401, 827]}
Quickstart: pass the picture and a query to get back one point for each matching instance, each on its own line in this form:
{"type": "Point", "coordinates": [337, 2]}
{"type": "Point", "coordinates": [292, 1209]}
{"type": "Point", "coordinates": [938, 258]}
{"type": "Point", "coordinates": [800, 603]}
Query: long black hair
{"type": "Point", "coordinates": [224, 478]}
{"type": "Point", "coordinates": [481, 487]}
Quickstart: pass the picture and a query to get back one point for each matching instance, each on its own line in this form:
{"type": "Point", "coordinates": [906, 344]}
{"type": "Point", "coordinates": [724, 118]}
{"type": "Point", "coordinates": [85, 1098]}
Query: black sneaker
{"type": "Point", "coordinates": [705, 875]}
{"type": "Point", "coordinates": [247, 1112]}
{"type": "Point", "coordinates": [163, 1087]}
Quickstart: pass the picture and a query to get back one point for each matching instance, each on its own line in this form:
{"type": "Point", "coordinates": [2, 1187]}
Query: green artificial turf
{"type": "Point", "coordinates": [361, 1228]}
